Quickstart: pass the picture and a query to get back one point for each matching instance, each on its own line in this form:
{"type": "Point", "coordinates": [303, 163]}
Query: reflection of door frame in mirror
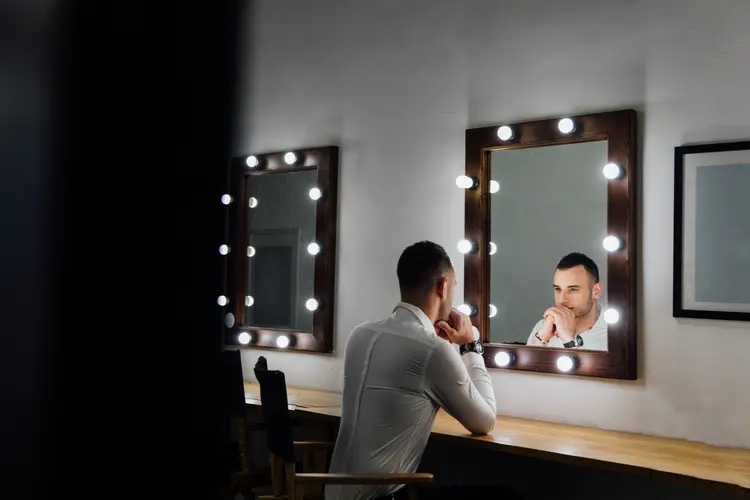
{"type": "Point", "coordinates": [239, 334]}
{"type": "Point", "coordinates": [618, 128]}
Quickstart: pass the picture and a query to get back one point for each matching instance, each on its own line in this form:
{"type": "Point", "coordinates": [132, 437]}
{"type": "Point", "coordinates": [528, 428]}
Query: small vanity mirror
{"type": "Point", "coordinates": [281, 276]}
{"type": "Point", "coordinates": [548, 265]}
{"type": "Point", "coordinates": [550, 245]}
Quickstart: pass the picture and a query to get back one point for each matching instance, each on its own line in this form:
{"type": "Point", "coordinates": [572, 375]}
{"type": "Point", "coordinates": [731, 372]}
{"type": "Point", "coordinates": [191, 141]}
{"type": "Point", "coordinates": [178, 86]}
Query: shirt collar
{"type": "Point", "coordinates": [421, 316]}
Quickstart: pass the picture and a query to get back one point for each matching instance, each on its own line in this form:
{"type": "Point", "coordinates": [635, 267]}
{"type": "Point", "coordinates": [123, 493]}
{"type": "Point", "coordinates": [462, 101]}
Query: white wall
{"type": "Point", "coordinates": [396, 83]}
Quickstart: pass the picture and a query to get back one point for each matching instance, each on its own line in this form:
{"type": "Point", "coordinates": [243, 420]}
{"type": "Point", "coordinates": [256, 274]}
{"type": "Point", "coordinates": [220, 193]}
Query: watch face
{"type": "Point", "coordinates": [479, 349]}
{"type": "Point", "coordinates": [579, 340]}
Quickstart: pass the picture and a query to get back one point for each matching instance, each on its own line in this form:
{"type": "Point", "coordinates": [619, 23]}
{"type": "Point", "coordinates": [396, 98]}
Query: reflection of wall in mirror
{"type": "Point", "coordinates": [284, 208]}
{"type": "Point", "coordinates": [552, 201]}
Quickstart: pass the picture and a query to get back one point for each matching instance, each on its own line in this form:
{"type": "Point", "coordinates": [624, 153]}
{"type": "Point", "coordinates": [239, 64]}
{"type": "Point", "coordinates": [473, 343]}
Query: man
{"type": "Point", "coordinates": [576, 320]}
{"type": "Point", "coordinates": [399, 371]}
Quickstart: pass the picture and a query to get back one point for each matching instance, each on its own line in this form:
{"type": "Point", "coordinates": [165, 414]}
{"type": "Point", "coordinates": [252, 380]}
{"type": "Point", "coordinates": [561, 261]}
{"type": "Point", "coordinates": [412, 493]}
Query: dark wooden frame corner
{"type": "Point", "coordinates": [678, 311]}
{"type": "Point", "coordinates": [320, 339]}
{"type": "Point", "coordinates": [619, 128]}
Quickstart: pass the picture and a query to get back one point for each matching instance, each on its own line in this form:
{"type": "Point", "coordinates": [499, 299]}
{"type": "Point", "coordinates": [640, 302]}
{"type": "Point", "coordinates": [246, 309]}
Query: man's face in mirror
{"type": "Point", "coordinates": [575, 289]}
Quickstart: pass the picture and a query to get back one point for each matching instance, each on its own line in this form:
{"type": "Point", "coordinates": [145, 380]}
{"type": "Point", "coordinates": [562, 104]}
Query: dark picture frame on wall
{"type": "Point", "coordinates": [712, 231]}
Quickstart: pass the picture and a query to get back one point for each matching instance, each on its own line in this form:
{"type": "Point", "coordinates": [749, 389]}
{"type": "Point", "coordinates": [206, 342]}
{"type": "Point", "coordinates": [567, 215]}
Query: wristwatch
{"type": "Point", "coordinates": [475, 346]}
{"type": "Point", "coordinates": [576, 342]}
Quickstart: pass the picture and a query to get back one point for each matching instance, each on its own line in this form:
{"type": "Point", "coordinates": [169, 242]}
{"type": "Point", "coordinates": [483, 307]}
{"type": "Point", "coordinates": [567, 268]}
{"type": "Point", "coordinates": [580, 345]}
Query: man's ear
{"type": "Point", "coordinates": [597, 291]}
{"type": "Point", "coordinates": [442, 287]}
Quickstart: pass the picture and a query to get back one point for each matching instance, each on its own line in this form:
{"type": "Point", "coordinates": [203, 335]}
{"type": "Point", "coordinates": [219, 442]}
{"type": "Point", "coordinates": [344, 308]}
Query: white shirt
{"type": "Point", "coordinates": [397, 374]}
{"type": "Point", "coordinates": [595, 338]}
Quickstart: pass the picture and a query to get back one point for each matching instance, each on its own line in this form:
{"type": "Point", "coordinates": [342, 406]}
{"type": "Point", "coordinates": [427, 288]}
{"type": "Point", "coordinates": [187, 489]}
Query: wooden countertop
{"type": "Point", "coordinates": [629, 452]}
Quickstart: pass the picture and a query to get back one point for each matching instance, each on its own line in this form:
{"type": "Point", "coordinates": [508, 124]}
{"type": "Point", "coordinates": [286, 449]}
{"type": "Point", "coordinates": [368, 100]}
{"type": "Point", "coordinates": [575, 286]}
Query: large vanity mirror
{"type": "Point", "coordinates": [550, 223]}
{"type": "Point", "coordinates": [281, 256]}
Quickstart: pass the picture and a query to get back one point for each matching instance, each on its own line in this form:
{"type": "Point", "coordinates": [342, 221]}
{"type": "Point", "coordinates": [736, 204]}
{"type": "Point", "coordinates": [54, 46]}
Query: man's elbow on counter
{"type": "Point", "coordinates": [483, 425]}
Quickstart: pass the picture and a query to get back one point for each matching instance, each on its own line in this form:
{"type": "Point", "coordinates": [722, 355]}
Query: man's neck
{"type": "Point", "coordinates": [430, 310]}
{"type": "Point", "coordinates": [587, 322]}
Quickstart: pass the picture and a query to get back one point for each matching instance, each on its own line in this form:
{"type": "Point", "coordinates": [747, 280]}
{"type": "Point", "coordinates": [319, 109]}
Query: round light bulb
{"type": "Point", "coordinates": [611, 243]}
{"type": "Point", "coordinates": [249, 301]}
{"type": "Point", "coordinates": [250, 251]}
{"type": "Point", "coordinates": [565, 125]}
{"type": "Point", "coordinates": [465, 309]}
{"type": "Point", "coordinates": [493, 248]}
{"type": "Point", "coordinates": [226, 199]}
{"type": "Point", "coordinates": [494, 187]}
{"type": "Point", "coordinates": [251, 162]}
{"type": "Point", "coordinates": [229, 320]}
{"type": "Point", "coordinates": [464, 182]}
{"type": "Point", "coordinates": [476, 332]}
{"type": "Point", "coordinates": [313, 249]}
{"type": "Point", "coordinates": [502, 358]}
{"type": "Point", "coordinates": [282, 341]}
{"type": "Point", "coordinates": [611, 171]}
{"type": "Point", "coordinates": [224, 249]}
{"type": "Point", "coordinates": [465, 246]}
{"type": "Point", "coordinates": [243, 338]}
{"type": "Point", "coordinates": [505, 133]}
{"type": "Point", "coordinates": [493, 311]}
{"type": "Point", "coordinates": [311, 304]}
{"type": "Point", "coordinates": [222, 300]}
{"type": "Point", "coordinates": [564, 363]}
{"type": "Point", "coordinates": [252, 202]}
{"type": "Point", "coordinates": [290, 158]}
{"type": "Point", "coordinates": [315, 193]}
{"type": "Point", "coordinates": [611, 316]}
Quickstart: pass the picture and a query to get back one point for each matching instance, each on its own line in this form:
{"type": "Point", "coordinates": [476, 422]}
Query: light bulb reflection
{"type": "Point", "coordinates": [290, 158]}
{"type": "Point", "coordinates": [251, 162]}
{"type": "Point", "coordinates": [243, 338]}
{"type": "Point", "coordinates": [252, 202]}
{"type": "Point", "coordinates": [250, 251]}
{"type": "Point", "coordinates": [226, 199]}
{"type": "Point", "coordinates": [249, 301]}
{"type": "Point", "coordinates": [493, 311]}
{"type": "Point", "coordinates": [315, 193]}
{"type": "Point", "coordinates": [494, 187]}
{"type": "Point", "coordinates": [313, 249]}
{"type": "Point", "coordinates": [493, 248]}
{"type": "Point", "coordinates": [282, 341]}
{"type": "Point", "coordinates": [224, 249]}
{"type": "Point", "coordinates": [222, 300]}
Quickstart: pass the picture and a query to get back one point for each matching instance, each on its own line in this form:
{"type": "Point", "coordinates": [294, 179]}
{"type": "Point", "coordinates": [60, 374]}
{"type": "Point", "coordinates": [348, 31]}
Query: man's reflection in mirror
{"type": "Point", "coordinates": [575, 321]}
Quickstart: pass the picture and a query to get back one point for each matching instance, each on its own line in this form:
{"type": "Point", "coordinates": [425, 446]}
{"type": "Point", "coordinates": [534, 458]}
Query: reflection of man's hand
{"type": "Point", "coordinates": [565, 322]}
{"type": "Point", "coordinates": [548, 328]}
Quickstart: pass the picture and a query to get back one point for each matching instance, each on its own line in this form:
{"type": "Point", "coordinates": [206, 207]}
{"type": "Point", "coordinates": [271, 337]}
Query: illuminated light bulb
{"type": "Point", "coordinates": [465, 246]}
{"type": "Point", "coordinates": [493, 311]}
{"type": "Point", "coordinates": [311, 304]}
{"type": "Point", "coordinates": [565, 363]}
{"type": "Point", "coordinates": [493, 248]}
{"type": "Point", "coordinates": [313, 249]}
{"type": "Point", "coordinates": [611, 171]}
{"type": "Point", "coordinates": [466, 309]}
{"type": "Point", "coordinates": [224, 249]}
{"type": "Point", "coordinates": [611, 243]}
{"type": "Point", "coordinates": [229, 320]}
{"type": "Point", "coordinates": [476, 332]}
{"type": "Point", "coordinates": [282, 341]}
{"type": "Point", "coordinates": [290, 158]}
{"type": "Point", "coordinates": [249, 301]}
{"type": "Point", "coordinates": [222, 300]}
{"type": "Point", "coordinates": [565, 125]}
{"type": "Point", "coordinates": [315, 193]}
{"type": "Point", "coordinates": [505, 133]}
{"type": "Point", "coordinates": [226, 199]}
{"type": "Point", "coordinates": [252, 202]}
{"type": "Point", "coordinates": [252, 162]}
{"type": "Point", "coordinates": [250, 251]}
{"type": "Point", "coordinates": [494, 187]}
{"type": "Point", "coordinates": [465, 182]}
{"type": "Point", "coordinates": [611, 316]}
{"type": "Point", "coordinates": [243, 338]}
{"type": "Point", "coordinates": [503, 358]}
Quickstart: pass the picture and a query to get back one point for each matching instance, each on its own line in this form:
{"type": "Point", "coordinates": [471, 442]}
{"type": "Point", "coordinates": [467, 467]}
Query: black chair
{"type": "Point", "coordinates": [275, 409]}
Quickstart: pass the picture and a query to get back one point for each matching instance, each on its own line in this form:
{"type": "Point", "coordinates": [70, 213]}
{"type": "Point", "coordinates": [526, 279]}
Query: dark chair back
{"type": "Point", "coordinates": [275, 409]}
{"type": "Point", "coordinates": [231, 384]}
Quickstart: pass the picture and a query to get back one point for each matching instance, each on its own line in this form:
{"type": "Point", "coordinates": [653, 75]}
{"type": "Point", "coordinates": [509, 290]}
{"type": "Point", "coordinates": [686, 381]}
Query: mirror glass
{"type": "Point", "coordinates": [548, 222]}
{"type": "Point", "coordinates": [281, 271]}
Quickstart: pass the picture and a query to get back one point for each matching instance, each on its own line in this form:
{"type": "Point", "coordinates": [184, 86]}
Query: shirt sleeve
{"type": "Point", "coordinates": [462, 387]}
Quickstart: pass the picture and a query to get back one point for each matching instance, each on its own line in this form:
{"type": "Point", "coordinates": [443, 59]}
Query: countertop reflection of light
{"type": "Point", "coordinates": [611, 171]}
{"type": "Point", "coordinates": [243, 338]}
{"type": "Point", "coordinates": [494, 187]}
{"type": "Point", "coordinates": [611, 243]}
{"type": "Point", "coordinates": [565, 363]}
{"type": "Point", "coordinates": [503, 358]}
{"type": "Point", "coordinates": [505, 133]}
{"type": "Point", "coordinates": [565, 125]}
{"type": "Point", "coordinates": [282, 341]}
{"type": "Point", "coordinates": [493, 311]}
{"type": "Point", "coordinates": [611, 316]}
{"type": "Point", "coordinates": [251, 162]}
{"type": "Point", "coordinates": [311, 304]}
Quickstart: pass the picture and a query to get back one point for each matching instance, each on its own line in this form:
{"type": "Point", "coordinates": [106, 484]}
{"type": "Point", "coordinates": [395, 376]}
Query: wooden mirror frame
{"type": "Point", "coordinates": [320, 339]}
{"type": "Point", "coordinates": [619, 129]}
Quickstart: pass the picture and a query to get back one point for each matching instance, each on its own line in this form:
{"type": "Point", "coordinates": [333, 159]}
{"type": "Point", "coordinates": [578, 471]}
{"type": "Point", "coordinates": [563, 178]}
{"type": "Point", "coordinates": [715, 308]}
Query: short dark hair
{"type": "Point", "coordinates": [578, 259]}
{"type": "Point", "coordinates": [420, 266]}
